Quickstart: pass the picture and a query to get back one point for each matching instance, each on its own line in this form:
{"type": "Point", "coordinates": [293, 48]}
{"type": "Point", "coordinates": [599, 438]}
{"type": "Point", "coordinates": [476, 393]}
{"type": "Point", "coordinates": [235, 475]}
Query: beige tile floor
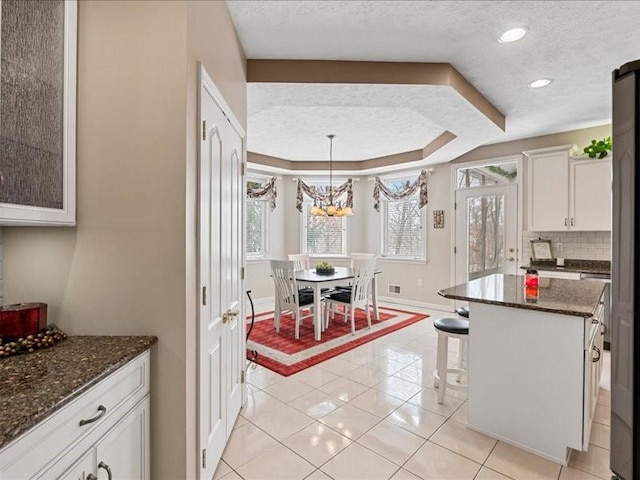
{"type": "Point", "coordinates": [371, 413]}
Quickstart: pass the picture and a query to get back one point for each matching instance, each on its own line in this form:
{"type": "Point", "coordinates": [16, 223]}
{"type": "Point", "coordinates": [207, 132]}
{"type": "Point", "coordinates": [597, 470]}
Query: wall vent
{"type": "Point", "coordinates": [395, 289]}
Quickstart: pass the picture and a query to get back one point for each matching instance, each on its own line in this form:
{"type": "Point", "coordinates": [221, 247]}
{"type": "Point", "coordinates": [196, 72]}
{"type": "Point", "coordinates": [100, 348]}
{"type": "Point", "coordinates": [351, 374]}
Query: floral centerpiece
{"type": "Point", "coordinates": [325, 268]}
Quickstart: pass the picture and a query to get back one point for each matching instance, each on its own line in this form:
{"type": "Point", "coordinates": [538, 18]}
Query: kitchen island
{"type": "Point", "coordinates": [534, 361]}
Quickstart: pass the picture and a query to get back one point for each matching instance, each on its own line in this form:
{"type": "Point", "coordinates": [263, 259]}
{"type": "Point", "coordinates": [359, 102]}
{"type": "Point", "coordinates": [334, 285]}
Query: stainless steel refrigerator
{"type": "Point", "coordinates": [625, 331]}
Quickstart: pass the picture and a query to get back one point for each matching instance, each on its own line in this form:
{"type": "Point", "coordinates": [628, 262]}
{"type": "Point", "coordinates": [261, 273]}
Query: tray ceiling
{"type": "Point", "coordinates": [577, 44]}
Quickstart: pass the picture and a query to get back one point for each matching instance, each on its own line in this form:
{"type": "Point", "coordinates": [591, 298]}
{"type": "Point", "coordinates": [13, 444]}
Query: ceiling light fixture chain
{"type": "Point", "coordinates": [322, 209]}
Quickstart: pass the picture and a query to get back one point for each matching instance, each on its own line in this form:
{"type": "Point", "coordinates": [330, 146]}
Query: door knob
{"type": "Point", "coordinates": [228, 315]}
{"type": "Point", "coordinates": [511, 259]}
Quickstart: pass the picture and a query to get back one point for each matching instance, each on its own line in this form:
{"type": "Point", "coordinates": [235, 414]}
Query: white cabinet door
{"type": "Point", "coordinates": [81, 470]}
{"type": "Point", "coordinates": [123, 453]}
{"type": "Point", "coordinates": [591, 194]}
{"type": "Point", "coordinates": [548, 190]}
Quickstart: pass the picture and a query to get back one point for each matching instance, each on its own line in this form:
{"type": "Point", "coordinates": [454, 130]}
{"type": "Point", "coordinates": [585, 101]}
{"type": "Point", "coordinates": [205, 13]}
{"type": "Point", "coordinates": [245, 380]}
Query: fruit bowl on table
{"type": "Point", "coordinates": [325, 269]}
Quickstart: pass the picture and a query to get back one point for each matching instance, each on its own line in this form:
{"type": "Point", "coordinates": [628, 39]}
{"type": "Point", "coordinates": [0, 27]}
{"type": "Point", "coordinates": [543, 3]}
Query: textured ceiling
{"type": "Point", "coordinates": [577, 44]}
{"type": "Point", "coordinates": [290, 121]}
{"type": "Point", "coordinates": [292, 132]}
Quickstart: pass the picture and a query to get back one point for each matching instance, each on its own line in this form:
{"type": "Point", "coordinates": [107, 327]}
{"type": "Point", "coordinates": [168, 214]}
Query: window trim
{"type": "Point", "coordinates": [315, 182]}
{"type": "Point", "coordinates": [266, 235]}
{"type": "Point", "coordinates": [384, 202]}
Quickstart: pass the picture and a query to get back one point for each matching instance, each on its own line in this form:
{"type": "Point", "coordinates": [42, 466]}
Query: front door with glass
{"type": "Point", "coordinates": [486, 232]}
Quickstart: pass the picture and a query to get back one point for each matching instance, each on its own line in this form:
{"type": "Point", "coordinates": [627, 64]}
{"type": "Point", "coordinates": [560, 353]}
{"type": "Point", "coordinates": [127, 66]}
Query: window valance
{"type": "Point", "coordinates": [319, 196]}
{"type": "Point", "coordinates": [268, 192]}
{"type": "Point", "coordinates": [418, 185]}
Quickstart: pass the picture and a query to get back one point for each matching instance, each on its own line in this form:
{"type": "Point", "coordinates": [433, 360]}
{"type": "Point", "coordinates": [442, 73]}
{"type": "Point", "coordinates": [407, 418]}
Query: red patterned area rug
{"type": "Point", "coordinates": [285, 355]}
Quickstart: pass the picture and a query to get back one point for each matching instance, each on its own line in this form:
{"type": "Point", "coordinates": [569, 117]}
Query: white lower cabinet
{"type": "Point", "coordinates": [592, 373]}
{"type": "Point", "coordinates": [101, 435]}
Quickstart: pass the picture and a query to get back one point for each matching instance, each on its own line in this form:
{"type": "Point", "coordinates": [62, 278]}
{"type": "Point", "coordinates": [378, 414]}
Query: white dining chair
{"type": "Point", "coordinates": [359, 256]}
{"type": "Point", "coordinates": [356, 297]}
{"type": "Point", "coordinates": [288, 297]}
{"type": "Point", "coordinates": [302, 261]}
{"type": "Point", "coordinates": [354, 257]}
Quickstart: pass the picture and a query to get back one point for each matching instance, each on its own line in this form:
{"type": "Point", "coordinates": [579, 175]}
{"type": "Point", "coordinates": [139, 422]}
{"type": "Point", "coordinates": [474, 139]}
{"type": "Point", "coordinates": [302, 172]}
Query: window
{"type": "Point", "coordinates": [404, 226]}
{"type": "Point", "coordinates": [487, 175]}
{"type": "Point", "coordinates": [256, 233]}
{"type": "Point", "coordinates": [323, 236]}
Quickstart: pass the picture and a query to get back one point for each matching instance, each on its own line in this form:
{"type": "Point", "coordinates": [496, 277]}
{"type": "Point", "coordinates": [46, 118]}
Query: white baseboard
{"type": "Point", "coordinates": [415, 303]}
{"type": "Point", "coordinates": [263, 300]}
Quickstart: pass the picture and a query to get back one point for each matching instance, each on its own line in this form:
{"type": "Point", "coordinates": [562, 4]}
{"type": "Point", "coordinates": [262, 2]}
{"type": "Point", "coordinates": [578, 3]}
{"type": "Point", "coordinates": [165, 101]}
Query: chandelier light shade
{"type": "Point", "coordinates": [323, 209]}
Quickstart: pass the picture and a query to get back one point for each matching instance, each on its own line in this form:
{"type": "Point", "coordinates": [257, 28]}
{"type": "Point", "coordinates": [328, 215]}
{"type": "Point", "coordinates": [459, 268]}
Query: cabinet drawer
{"type": "Point", "coordinates": [67, 427]}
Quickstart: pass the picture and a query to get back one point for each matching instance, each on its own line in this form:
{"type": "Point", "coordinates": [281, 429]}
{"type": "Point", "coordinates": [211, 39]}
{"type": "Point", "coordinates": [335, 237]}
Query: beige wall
{"type": "Point", "coordinates": [581, 137]}
{"type": "Point", "coordinates": [435, 272]}
{"type": "Point", "coordinates": [128, 267]}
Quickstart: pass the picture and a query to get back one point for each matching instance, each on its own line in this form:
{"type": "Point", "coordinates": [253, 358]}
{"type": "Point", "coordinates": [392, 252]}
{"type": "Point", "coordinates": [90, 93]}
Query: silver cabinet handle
{"type": "Point", "coordinates": [597, 359]}
{"type": "Point", "coordinates": [102, 409]}
{"type": "Point", "coordinates": [572, 221]}
{"type": "Point", "coordinates": [566, 222]}
{"type": "Point", "coordinates": [104, 466]}
{"type": "Point", "coordinates": [91, 476]}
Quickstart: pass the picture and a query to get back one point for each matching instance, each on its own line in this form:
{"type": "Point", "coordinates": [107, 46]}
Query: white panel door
{"type": "Point", "coordinates": [221, 329]}
{"type": "Point", "coordinates": [591, 194]}
{"type": "Point", "coordinates": [212, 421]}
{"type": "Point", "coordinates": [230, 219]}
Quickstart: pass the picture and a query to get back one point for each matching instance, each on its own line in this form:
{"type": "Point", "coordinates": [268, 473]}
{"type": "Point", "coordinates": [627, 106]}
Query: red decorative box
{"type": "Point", "coordinates": [22, 319]}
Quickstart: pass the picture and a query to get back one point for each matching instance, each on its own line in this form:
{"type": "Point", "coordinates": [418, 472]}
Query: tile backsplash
{"type": "Point", "coordinates": [575, 245]}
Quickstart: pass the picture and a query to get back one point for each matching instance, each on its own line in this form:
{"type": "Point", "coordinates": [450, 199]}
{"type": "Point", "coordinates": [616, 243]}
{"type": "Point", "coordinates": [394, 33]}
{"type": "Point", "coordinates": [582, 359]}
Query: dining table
{"type": "Point", "coordinates": [318, 282]}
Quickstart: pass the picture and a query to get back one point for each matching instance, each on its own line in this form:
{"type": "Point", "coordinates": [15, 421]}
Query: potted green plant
{"type": "Point", "coordinates": [599, 148]}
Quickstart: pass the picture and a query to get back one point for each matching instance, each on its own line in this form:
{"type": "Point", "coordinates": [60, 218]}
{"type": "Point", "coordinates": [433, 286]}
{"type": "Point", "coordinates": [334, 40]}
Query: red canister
{"type": "Point", "coordinates": [22, 319]}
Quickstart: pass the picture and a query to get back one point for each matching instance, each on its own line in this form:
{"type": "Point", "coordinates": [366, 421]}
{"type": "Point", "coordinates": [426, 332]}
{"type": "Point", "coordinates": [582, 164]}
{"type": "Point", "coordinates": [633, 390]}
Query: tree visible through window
{"type": "Point", "coordinates": [256, 224]}
{"type": "Point", "coordinates": [323, 235]}
{"type": "Point", "coordinates": [403, 226]}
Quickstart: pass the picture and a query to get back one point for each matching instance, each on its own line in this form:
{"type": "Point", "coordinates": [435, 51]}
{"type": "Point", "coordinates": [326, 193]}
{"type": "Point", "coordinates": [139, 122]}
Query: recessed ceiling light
{"type": "Point", "coordinates": [543, 82]}
{"type": "Point", "coordinates": [513, 35]}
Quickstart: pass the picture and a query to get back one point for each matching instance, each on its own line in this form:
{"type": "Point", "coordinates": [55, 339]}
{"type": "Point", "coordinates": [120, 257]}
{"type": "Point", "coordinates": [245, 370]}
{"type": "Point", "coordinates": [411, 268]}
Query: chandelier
{"type": "Point", "coordinates": [323, 209]}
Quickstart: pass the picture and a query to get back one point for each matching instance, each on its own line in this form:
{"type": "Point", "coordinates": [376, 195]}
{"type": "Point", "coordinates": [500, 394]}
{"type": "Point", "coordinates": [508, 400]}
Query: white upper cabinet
{"type": "Point", "coordinates": [567, 194]}
{"type": "Point", "coordinates": [590, 194]}
{"type": "Point", "coordinates": [548, 189]}
{"type": "Point", "coordinates": [38, 113]}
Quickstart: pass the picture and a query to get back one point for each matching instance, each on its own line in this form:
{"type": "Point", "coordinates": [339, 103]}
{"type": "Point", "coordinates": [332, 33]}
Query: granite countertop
{"type": "Point", "coordinates": [35, 385]}
{"type": "Point", "coordinates": [556, 295]}
{"type": "Point", "coordinates": [575, 266]}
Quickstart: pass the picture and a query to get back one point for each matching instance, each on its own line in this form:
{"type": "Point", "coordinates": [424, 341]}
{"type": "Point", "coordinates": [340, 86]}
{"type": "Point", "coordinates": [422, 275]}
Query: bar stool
{"type": "Point", "coordinates": [449, 328]}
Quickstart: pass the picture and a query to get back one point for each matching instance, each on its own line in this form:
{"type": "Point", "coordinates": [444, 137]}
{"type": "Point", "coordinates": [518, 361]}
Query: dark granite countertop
{"type": "Point", "coordinates": [600, 267]}
{"type": "Point", "coordinates": [35, 385]}
{"type": "Point", "coordinates": [556, 295]}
